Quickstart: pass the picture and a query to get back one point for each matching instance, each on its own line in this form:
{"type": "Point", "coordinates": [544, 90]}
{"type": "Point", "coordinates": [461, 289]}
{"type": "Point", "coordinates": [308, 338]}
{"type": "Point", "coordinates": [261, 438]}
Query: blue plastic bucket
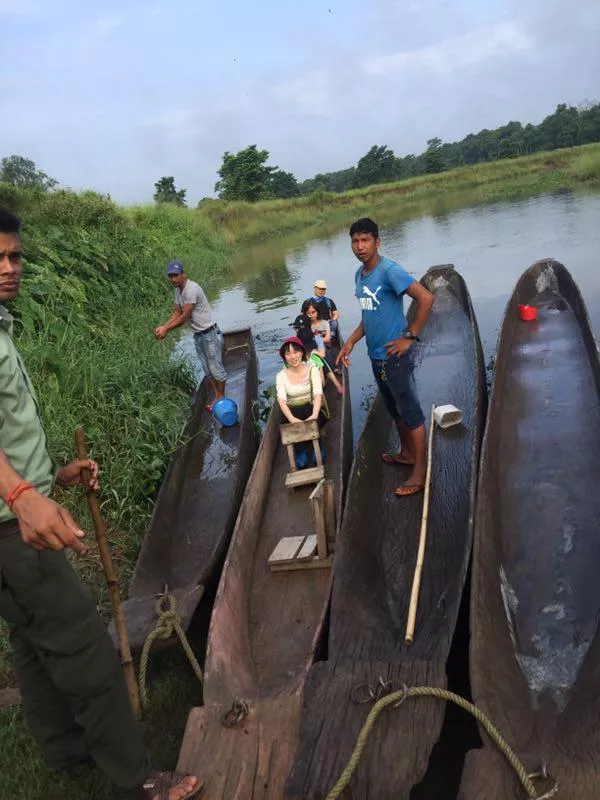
{"type": "Point", "coordinates": [226, 411]}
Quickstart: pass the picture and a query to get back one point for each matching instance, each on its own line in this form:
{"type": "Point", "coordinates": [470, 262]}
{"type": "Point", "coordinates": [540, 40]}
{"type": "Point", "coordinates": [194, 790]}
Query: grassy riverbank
{"type": "Point", "coordinates": [95, 288]}
{"type": "Point", "coordinates": [509, 179]}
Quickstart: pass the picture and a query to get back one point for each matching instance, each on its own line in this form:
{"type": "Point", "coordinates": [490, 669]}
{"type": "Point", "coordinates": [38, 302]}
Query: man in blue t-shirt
{"type": "Point", "coordinates": [380, 288]}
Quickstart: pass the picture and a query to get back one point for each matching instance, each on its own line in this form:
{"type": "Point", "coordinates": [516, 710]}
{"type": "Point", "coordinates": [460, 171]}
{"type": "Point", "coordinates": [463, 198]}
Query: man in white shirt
{"type": "Point", "coordinates": [191, 306]}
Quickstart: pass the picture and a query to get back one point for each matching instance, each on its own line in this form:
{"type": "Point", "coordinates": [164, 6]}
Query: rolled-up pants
{"type": "Point", "coordinates": [74, 695]}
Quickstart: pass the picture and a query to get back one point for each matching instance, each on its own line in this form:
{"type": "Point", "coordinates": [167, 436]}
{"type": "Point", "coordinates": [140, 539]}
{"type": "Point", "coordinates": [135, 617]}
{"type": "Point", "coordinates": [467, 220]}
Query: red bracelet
{"type": "Point", "coordinates": [16, 492]}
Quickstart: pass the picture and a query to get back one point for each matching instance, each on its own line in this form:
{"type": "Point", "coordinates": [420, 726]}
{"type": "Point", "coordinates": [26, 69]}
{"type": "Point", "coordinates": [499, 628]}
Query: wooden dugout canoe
{"type": "Point", "coordinates": [266, 627]}
{"type": "Point", "coordinates": [535, 605]}
{"type": "Point", "coordinates": [199, 499]}
{"type": "Point", "coordinates": [374, 568]}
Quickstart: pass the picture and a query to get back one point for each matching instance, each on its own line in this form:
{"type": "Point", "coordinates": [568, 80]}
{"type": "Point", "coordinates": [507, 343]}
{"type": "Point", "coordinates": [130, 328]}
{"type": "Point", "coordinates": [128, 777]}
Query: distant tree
{"type": "Point", "coordinates": [433, 156]}
{"type": "Point", "coordinates": [23, 172]}
{"type": "Point", "coordinates": [165, 191]}
{"type": "Point", "coordinates": [379, 165]}
{"type": "Point", "coordinates": [283, 184]}
{"type": "Point", "coordinates": [245, 176]}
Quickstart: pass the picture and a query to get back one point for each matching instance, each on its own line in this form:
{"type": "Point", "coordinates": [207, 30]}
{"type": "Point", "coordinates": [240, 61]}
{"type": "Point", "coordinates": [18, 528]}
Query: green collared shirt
{"type": "Point", "coordinates": [22, 436]}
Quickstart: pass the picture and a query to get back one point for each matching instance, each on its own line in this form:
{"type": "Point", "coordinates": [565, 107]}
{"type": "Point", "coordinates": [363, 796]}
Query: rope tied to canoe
{"type": "Point", "coordinates": [168, 623]}
{"type": "Point", "coordinates": [383, 696]}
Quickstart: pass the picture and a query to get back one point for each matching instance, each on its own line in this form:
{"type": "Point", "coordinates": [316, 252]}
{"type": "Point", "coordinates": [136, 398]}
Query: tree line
{"type": "Point", "coordinates": [246, 175]}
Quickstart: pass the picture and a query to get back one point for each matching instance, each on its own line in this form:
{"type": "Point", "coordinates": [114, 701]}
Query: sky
{"type": "Point", "coordinates": [113, 95]}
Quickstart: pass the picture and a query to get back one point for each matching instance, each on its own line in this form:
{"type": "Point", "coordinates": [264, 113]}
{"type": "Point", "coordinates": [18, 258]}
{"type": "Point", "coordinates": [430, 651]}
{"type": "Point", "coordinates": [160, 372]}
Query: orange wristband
{"type": "Point", "coordinates": [16, 492]}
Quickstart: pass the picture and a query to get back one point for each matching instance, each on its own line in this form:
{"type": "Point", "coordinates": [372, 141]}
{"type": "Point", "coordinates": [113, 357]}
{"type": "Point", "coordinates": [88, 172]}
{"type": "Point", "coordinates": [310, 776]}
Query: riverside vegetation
{"type": "Point", "coordinates": [94, 288]}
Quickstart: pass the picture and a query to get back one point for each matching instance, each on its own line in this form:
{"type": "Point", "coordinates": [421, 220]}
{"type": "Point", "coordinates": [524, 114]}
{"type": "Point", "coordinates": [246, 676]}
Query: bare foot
{"type": "Point", "coordinates": [398, 458]}
{"type": "Point", "coordinates": [178, 786]}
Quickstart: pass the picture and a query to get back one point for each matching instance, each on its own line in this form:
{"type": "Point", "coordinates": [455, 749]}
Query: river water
{"type": "Point", "coordinates": [489, 245]}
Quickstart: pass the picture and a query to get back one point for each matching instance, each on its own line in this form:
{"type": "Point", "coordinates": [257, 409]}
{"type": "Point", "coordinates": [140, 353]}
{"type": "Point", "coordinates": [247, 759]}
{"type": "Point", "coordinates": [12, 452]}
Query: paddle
{"type": "Point", "coordinates": [416, 587]}
{"type": "Point", "coordinates": [111, 580]}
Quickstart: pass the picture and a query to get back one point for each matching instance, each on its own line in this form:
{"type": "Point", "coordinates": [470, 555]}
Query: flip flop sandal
{"type": "Point", "coordinates": [158, 784]}
{"type": "Point", "coordinates": [389, 458]}
{"type": "Point", "coordinates": [408, 488]}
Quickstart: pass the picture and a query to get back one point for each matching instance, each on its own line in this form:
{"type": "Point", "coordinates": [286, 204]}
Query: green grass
{"type": "Point", "coordinates": [173, 687]}
{"type": "Point", "coordinates": [94, 290]}
{"type": "Point", "coordinates": [508, 179]}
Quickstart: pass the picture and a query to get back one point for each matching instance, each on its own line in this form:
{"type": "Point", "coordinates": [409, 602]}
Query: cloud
{"type": "Point", "coordinates": [310, 94]}
{"type": "Point", "coordinates": [106, 24]}
{"type": "Point", "coordinates": [455, 53]}
{"type": "Point", "coordinates": [143, 90]}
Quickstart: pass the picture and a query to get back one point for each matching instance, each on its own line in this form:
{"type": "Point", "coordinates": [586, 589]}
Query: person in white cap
{"type": "Point", "coordinates": [327, 308]}
{"type": "Point", "coordinates": [191, 306]}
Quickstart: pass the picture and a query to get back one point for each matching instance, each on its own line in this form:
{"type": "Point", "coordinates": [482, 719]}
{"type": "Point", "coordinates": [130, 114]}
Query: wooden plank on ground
{"type": "Point", "coordinates": [286, 549]}
{"type": "Point", "coordinates": [304, 476]}
{"type": "Point", "coordinates": [299, 432]}
{"type": "Point", "coordinates": [308, 549]}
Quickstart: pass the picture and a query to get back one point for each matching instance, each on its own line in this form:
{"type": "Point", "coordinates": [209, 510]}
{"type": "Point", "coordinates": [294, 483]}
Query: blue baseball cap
{"type": "Point", "coordinates": [174, 268]}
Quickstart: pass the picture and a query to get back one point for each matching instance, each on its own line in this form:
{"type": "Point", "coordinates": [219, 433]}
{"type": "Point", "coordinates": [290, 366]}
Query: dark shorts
{"type": "Point", "coordinates": [396, 383]}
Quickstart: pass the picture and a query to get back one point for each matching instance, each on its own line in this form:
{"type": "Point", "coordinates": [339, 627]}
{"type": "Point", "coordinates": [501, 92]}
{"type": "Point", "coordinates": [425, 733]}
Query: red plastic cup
{"type": "Point", "coordinates": [528, 313]}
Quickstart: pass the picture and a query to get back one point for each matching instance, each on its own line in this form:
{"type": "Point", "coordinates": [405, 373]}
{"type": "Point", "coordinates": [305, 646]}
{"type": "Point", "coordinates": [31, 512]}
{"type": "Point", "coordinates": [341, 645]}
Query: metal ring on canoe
{"type": "Point", "coordinates": [543, 775]}
{"type": "Point", "coordinates": [235, 714]}
{"type": "Point", "coordinates": [364, 693]}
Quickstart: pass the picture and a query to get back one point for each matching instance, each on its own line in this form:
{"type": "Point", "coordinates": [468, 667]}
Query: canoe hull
{"type": "Point", "coordinates": [374, 568]}
{"type": "Point", "coordinates": [534, 601]}
{"type": "Point", "coordinates": [196, 508]}
{"type": "Point", "coordinates": [266, 627]}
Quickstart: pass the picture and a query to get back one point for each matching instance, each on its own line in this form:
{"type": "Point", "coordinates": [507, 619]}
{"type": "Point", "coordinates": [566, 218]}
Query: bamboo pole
{"type": "Point", "coordinates": [111, 580]}
{"type": "Point", "coordinates": [416, 587]}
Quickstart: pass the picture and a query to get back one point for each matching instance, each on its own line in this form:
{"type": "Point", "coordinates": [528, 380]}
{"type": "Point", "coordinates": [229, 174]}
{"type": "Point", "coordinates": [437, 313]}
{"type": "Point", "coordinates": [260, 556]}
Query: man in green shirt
{"type": "Point", "coordinates": [74, 694]}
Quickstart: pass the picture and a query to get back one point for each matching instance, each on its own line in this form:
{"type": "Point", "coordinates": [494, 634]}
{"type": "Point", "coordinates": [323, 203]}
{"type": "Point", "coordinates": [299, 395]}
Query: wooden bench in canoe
{"type": "Point", "coordinates": [373, 572]}
{"type": "Point", "coordinates": [199, 499]}
{"type": "Point", "coordinates": [266, 627]}
{"type": "Point", "coordinates": [535, 603]}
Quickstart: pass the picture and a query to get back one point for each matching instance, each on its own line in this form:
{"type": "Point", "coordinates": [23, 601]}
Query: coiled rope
{"type": "Point", "coordinates": [167, 624]}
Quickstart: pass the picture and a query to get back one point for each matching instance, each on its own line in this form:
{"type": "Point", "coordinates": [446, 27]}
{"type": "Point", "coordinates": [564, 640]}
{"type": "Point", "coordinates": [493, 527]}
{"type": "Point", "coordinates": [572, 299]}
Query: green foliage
{"type": "Point", "coordinates": [434, 157]}
{"type": "Point", "coordinates": [283, 184]}
{"type": "Point", "coordinates": [245, 176]}
{"type": "Point", "coordinates": [166, 192]}
{"type": "Point", "coordinates": [566, 127]}
{"type": "Point", "coordinates": [379, 165]}
{"type": "Point", "coordinates": [20, 171]}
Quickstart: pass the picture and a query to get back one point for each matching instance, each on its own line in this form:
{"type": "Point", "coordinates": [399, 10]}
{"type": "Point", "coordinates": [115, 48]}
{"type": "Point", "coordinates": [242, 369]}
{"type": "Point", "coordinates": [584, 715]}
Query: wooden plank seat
{"type": "Point", "coordinates": [295, 434]}
{"type": "Point", "coordinates": [313, 550]}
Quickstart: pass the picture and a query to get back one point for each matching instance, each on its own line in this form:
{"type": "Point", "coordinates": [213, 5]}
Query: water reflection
{"type": "Point", "coordinates": [271, 288]}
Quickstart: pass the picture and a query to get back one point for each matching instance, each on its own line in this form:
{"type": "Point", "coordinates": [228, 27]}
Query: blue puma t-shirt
{"type": "Point", "coordinates": [380, 294]}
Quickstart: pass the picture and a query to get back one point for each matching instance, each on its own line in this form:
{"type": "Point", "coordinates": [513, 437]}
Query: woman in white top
{"type": "Point", "coordinates": [299, 386]}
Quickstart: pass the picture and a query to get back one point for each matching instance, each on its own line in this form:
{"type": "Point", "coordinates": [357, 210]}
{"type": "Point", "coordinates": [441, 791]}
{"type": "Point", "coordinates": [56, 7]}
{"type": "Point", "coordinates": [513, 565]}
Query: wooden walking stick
{"type": "Point", "coordinates": [109, 574]}
{"type": "Point", "coordinates": [416, 587]}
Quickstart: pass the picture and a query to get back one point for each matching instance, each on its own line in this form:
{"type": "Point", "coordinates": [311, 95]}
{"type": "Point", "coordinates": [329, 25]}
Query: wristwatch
{"type": "Point", "coordinates": [408, 334]}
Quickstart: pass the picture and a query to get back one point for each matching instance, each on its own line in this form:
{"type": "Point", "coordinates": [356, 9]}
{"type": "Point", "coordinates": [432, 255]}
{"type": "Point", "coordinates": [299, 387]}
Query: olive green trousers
{"type": "Point", "coordinates": [74, 695]}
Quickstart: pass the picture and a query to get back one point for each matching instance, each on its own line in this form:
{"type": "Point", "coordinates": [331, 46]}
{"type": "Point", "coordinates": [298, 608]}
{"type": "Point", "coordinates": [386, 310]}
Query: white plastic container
{"type": "Point", "coordinates": [447, 415]}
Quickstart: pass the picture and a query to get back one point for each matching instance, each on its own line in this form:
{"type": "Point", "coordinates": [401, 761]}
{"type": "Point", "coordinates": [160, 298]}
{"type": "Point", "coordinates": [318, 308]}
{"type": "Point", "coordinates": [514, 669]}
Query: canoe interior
{"type": "Point", "coordinates": [198, 501]}
{"type": "Point", "coordinates": [265, 626]}
{"type": "Point", "coordinates": [374, 569]}
{"type": "Point", "coordinates": [535, 603]}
